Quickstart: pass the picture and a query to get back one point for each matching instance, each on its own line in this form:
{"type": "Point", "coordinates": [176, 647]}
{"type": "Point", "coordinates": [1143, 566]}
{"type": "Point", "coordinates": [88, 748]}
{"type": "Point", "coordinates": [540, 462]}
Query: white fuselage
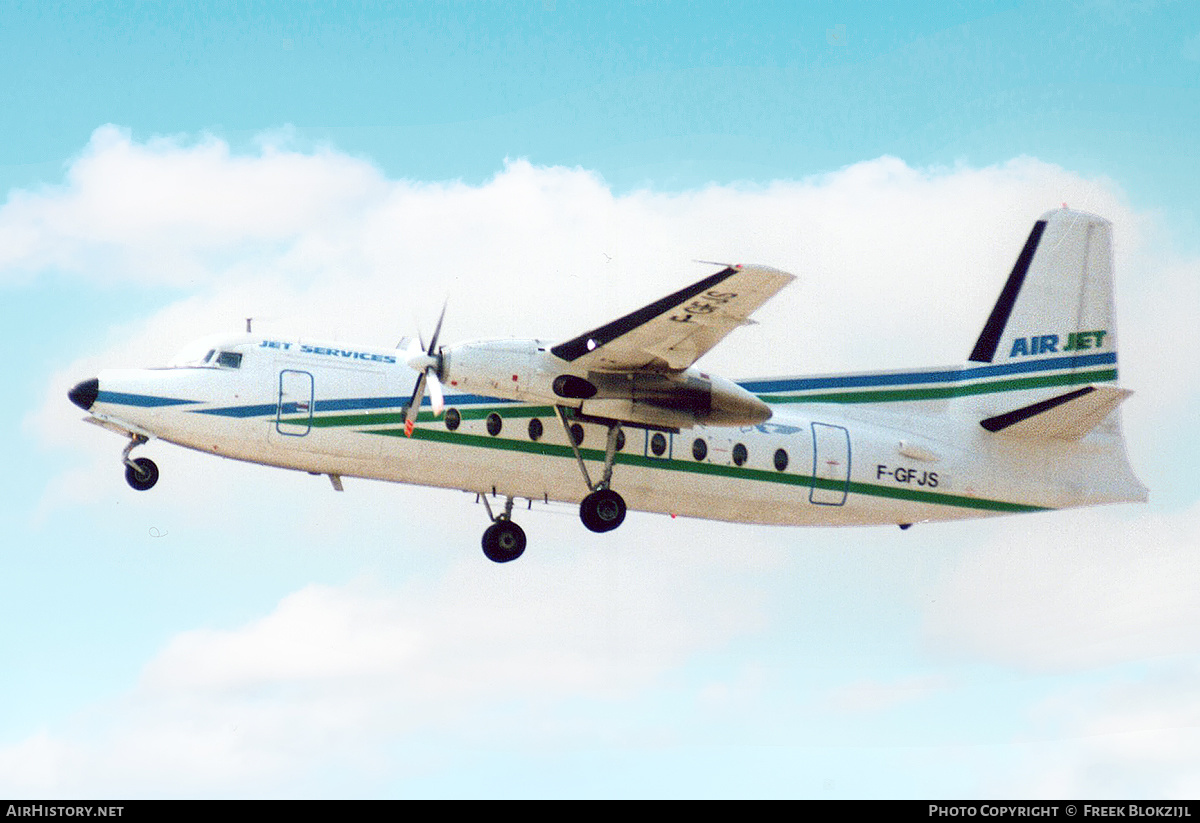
{"type": "Point", "coordinates": [339, 410]}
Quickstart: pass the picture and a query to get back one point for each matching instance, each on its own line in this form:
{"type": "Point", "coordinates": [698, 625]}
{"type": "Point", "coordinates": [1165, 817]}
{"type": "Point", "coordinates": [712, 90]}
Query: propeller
{"type": "Point", "coordinates": [429, 363]}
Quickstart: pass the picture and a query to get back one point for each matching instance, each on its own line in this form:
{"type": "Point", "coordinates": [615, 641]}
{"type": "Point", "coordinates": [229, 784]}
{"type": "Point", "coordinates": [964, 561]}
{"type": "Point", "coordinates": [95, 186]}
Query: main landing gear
{"type": "Point", "coordinates": [603, 509]}
{"type": "Point", "coordinates": [504, 540]}
{"type": "Point", "coordinates": [140, 473]}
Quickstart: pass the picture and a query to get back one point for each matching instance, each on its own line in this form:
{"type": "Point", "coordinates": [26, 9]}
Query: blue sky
{"type": "Point", "coordinates": [240, 631]}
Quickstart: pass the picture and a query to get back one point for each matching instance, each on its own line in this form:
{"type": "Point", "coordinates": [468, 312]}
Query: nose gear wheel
{"type": "Point", "coordinates": [504, 540]}
{"type": "Point", "coordinates": [140, 473]}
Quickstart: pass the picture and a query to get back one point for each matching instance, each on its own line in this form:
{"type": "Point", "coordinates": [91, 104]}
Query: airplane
{"type": "Point", "coordinates": [1028, 423]}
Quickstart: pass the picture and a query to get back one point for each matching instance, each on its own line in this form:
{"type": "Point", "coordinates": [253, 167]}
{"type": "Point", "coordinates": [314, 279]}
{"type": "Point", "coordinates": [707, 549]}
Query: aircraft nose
{"type": "Point", "coordinates": [84, 394]}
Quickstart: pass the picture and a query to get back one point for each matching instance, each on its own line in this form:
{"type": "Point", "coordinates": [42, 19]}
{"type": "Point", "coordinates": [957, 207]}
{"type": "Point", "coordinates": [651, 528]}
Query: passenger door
{"type": "Point", "coordinates": [294, 411]}
{"type": "Point", "coordinates": [831, 465]}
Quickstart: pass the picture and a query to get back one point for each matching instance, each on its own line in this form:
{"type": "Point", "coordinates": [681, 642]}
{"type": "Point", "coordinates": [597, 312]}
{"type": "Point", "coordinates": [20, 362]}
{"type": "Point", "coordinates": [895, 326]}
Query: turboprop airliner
{"type": "Point", "coordinates": [622, 417]}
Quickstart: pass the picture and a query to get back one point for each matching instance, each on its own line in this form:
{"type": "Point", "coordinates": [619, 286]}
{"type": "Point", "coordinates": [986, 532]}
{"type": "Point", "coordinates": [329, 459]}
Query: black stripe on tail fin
{"type": "Point", "coordinates": [989, 338]}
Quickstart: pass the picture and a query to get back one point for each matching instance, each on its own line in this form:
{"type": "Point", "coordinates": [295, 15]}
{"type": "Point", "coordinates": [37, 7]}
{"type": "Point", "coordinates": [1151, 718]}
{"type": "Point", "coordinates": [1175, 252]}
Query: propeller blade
{"type": "Point", "coordinates": [437, 330]}
{"type": "Point", "coordinates": [414, 405]}
{"type": "Point", "coordinates": [435, 394]}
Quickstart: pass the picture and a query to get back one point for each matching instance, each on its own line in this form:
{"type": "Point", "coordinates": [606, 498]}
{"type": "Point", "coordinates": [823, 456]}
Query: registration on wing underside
{"type": "Point", "coordinates": [675, 331]}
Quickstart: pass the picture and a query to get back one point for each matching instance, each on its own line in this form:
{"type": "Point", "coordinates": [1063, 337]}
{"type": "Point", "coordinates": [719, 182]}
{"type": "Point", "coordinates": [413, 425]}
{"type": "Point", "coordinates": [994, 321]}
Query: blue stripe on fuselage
{"type": "Point", "coordinates": [143, 400]}
{"type": "Point", "coordinates": [352, 404]}
{"type": "Point", "coordinates": [958, 375]}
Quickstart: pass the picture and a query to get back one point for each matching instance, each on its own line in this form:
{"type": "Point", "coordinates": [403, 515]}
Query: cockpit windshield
{"type": "Point", "coordinates": [211, 353]}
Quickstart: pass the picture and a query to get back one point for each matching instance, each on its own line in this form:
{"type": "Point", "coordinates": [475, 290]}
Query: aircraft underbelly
{"type": "Point", "coordinates": [674, 486]}
{"type": "Point", "coordinates": [834, 475]}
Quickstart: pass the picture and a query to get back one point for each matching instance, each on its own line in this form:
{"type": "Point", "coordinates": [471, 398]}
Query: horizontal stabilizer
{"type": "Point", "coordinates": [1068, 416]}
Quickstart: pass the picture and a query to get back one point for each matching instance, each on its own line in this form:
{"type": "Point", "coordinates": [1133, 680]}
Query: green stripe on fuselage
{"type": "Point", "coordinates": [397, 417]}
{"type": "Point", "coordinates": [736, 472]}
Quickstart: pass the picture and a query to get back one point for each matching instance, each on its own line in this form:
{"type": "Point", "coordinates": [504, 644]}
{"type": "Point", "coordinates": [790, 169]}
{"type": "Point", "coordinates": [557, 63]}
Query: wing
{"type": "Point", "coordinates": [673, 332]}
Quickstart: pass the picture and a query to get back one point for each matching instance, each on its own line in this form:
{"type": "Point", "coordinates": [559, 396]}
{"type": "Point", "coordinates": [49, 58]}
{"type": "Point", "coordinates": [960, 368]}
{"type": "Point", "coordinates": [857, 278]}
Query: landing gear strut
{"type": "Point", "coordinates": [141, 473]}
{"type": "Point", "coordinates": [603, 509]}
{"type": "Point", "coordinates": [504, 540]}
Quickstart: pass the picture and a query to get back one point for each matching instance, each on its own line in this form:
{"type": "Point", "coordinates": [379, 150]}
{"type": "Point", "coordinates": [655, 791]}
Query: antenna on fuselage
{"type": "Point", "coordinates": [248, 319]}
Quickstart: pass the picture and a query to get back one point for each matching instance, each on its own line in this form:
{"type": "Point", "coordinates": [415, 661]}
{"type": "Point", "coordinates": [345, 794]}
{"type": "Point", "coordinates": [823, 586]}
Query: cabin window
{"type": "Point", "coordinates": [229, 360]}
{"type": "Point", "coordinates": [699, 448]}
{"type": "Point", "coordinates": [658, 444]}
{"type": "Point", "coordinates": [535, 429]}
{"type": "Point", "coordinates": [453, 418]}
{"type": "Point", "coordinates": [781, 459]}
{"type": "Point", "coordinates": [577, 434]}
{"type": "Point", "coordinates": [494, 424]}
{"type": "Point", "coordinates": [740, 455]}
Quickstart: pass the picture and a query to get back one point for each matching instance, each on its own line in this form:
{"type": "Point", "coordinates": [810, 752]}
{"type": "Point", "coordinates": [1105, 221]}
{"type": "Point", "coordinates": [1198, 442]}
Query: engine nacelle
{"type": "Point", "coordinates": [673, 400]}
{"type": "Point", "coordinates": [498, 368]}
{"type": "Point", "coordinates": [525, 370]}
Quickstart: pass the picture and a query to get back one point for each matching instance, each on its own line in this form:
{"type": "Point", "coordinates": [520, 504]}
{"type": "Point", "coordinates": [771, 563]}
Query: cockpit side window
{"type": "Point", "coordinates": [209, 356]}
{"type": "Point", "coordinates": [229, 360]}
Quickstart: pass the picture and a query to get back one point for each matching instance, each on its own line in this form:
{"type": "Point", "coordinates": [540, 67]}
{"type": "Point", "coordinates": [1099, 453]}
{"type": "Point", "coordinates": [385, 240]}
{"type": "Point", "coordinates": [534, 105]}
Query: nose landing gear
{"type": "Point", "coordinates": [504, 540]}
{"type": "Point", "coordinates": [140, 473]}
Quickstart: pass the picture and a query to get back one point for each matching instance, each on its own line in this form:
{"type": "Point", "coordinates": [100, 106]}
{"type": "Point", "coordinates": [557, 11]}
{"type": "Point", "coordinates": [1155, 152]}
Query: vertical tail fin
{"type": "Point", "coordinates": [1052, 339]}
{"type": "Point", "coordinates": [1057, 303]}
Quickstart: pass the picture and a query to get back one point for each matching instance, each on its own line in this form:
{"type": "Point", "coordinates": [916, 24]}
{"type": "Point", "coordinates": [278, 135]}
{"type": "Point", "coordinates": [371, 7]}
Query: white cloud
{"type": "Point", "coordinates": [876, 696]}
{"type": "Point", "coordinates": [350, 673]}
{"type": "Point", "coordinates": [322, 241]}
{"type": "Point", "coordinates": [168, 212]}
{"type": "Point", "coordinates": [1134, 735]}
{"type": "Point", "coordinates": [1074, 590]}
